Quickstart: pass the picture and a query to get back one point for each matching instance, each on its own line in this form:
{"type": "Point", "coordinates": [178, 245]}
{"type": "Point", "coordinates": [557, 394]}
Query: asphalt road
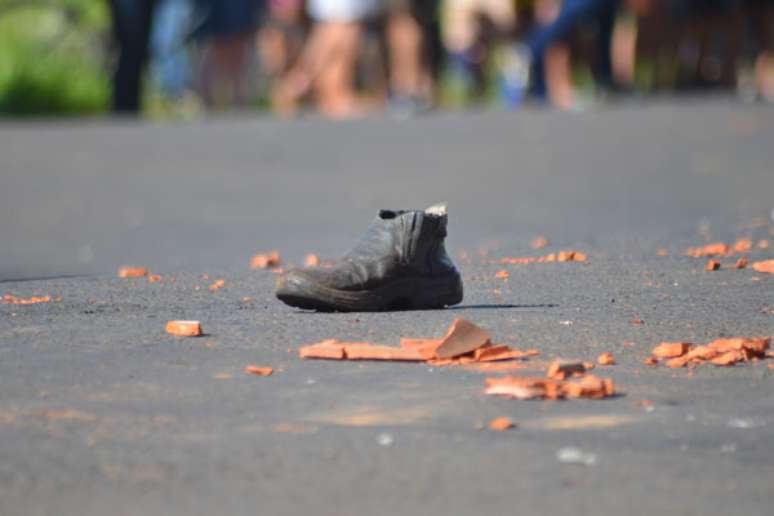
{"type": "Point", "coordinates": [102, 413]}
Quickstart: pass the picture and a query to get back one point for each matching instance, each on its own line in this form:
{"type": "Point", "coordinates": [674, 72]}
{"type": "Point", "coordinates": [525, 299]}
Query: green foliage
{"type": "Point", "coordinates": [52, 56]}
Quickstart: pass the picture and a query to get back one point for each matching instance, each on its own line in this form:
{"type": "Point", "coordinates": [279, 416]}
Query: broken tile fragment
{"type": "Point", "coordinates": [13, 300]}
{"type": "Point", "coordinates": [516, 387]}
{"type": "Point", "coordinates": [764, 266]}
{"type": "Point", "coordinates": [217, 285]}
{"type": "Point", "coordinates": [153, 278]}
{"type": "Point", "coordinates": [259, 370]}
{"type": "Point", "coordinates": [501, 423]}
{"type": "Point", "coordinates": [265, 260]}
{"type": "Point", "coordinates": [502, 274]}
{"type": "Point", "coordinates": [743, 245]}
{"type": "Point", "coordinates": [712, 265]}
{"type": "Point", "coordinates": [376, 352]}
{"type": "Point", "coordinates": [606, 358]}
{"type": "Point", "coordinates": [714, 249]}
{"type": "Point", "coordinates": [561, 369]}
{"type": "Point", "coordinates": [184, 328]}
{"type": "Point", "coordinates": [650, 361]}
{"type": "Point", "coordinates": [463, 337]}
{"type": "Point", "coordinates": [327, 349]}
{"type": "Point", "coordinates": [132, 272]}
{"type": "Point", "coordinates": [312, 260]}
{"type": "Point", "coordinates": [671, 349]}
{"type": "Point", "coordinates": [741, 263]}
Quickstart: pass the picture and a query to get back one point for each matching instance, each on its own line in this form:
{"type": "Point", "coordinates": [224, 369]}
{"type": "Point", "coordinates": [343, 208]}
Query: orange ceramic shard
{"type": "Point", "coordinates": [728, 358]}
{"type": "Point", "coordinates": [764, 266]}
{"type": "Point", "coordinates": [501, 423]}
{"type": "Point", "coordinates": [671, 349]}
{"type": "Point", "coordinates": [637, 321]}
{"type": "Point", "coordinates": [743, 245]}
{"type": "Point", "coordinates": [561, 369]}
{"type": "Point", "coordinates": [9, 298]}
{"type": "Point", "coordinates": [502, 274]}
{"type": "Point", "coordinates": [328, 349]}
{"type": "Point", "coordinates": [259, 370]}
{"type": "Point", "coordinates": [754, 347]}
{"type": "Point", "coordinates": [589, 387]}
{"type": "Point", "coordinates": [132, 272]}
{"type": "Point", "coordinates": [523, 388]}
{"type": "Point", "coordinates": [463, 337]}
{"type": "Point", "coordinates": [217, 285]}
{"type": "Point", "coordinates": [712, 265]}
{"type": "Point", "coordinates": [650, 361]}
{"type": "Point", "coordinates": [184, 328]}
{"type": "Point", "coordinates": [312, 260]}
{"type": "Point", "coordinates": [153, 278]}
{"type": "Point", "coordinates": [606, 358]}
{"type": "Point", "coordinates": [263, 261]}
{"type": "Point", "coordinates": [374, 352]}
{"type": "Point", "coordinates": [741, 263]}
{"type": "Point", "coordinates": [539, 242]}
{"type": "Point", "coordinates": [717, 248]}
{"type": "Point", "coordinates": [419, 343]}
{"type": "Point", "coordinates": [501, 352]}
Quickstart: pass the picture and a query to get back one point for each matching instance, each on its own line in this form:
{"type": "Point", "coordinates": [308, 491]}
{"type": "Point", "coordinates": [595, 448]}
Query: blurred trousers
{"type": "Point", "coordinates": [571, 14]}
{"type": "Point", "coordinates": [132, 28]}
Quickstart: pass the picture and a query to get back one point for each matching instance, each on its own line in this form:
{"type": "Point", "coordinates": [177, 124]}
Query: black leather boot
{"type": "Point", "coordinates": [399, 264]}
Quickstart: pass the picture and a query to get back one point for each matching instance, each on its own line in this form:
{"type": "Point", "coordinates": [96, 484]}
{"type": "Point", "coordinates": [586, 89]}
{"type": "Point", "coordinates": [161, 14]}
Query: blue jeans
{"type": "Point", "coordinates": [572, 14]}
{"type": "Point", "coordinates": [170, 63]}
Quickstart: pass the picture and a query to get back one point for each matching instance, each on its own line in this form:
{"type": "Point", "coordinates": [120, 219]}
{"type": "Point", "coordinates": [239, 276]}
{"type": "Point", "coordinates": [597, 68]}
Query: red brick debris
{"type": "Point", "coordinates": [561, 256]}
{"type": "Point", "coordinates": [720, 352]}
{"type": "Point", "coordinates": [13, 300]}
{"type": "Point", "coordinates": [259, 370]}
{"type": "Point", "coordinates": [464, 343]}
{"type": "Point", "coordinates": [265, 260]}
{"type": "Point", "coordinates": [528, 388]}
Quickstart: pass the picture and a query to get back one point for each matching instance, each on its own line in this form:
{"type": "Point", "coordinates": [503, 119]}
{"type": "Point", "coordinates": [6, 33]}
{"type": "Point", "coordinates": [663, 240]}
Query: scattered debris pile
{"type": "Point", "coordinates": [561, 256]}
{"type": "Point", "coordinates": [720, 352]}
{"type": "Point", "coordinates": [13, 300]}
{"type": "Point", "coordinates": [531, 388]}
{"type": "Point", "coordinates": [464, 343]}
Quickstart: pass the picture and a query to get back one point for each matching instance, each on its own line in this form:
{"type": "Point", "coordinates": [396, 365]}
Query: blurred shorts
{"type": "Point", "coordinates": [225, 17]}
{"type": "Point", "coordinates": [344, 10]}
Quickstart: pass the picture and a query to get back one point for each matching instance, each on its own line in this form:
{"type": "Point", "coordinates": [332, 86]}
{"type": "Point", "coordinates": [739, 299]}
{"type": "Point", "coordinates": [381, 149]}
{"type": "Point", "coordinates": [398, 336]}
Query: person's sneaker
{"type": "Point", "coordinates": [399, 264]}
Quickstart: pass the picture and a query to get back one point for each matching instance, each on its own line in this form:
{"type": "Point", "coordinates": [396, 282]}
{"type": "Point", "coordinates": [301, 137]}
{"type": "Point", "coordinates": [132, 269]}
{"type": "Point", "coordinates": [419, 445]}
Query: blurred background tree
{"type": "Point", "coordinates": [53, 57]}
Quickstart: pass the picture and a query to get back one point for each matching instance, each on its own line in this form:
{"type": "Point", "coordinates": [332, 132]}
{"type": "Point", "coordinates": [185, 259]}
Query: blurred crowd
{"type": "Point", "coordinates": [349, 58]}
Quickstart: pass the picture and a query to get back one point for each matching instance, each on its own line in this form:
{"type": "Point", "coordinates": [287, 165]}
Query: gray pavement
{"type": "Point", "coordinates": [102, 413]}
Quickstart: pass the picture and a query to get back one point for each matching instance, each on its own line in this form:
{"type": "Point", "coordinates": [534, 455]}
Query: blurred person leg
{"type": "Point", "coordinates": [463, 33]}
{"type": "Point", "coordinates": [404, 41]}
{"type": "Point", "coordinates": [226, 37]}
{"type": "Point", "coordinates": [327, 64]}
{"type": "Point", "coordinates": [762, 17]}
{"type": "Point", "coordinates": [571, 14]}
{"type": "Point", "coordinates": [132, 28]}
{"type": "Point", "coordinates": [170, 63]}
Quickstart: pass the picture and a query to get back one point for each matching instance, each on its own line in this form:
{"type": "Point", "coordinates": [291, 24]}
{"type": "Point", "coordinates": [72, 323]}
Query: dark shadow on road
{"type": "Point", "coordinates": [44, 278]}
{"type": "Point", "coordinates": [501, 306]}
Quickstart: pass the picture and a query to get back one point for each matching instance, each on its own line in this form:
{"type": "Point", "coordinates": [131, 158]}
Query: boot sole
{"type": "Point", "coordinates": [418, 293]}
